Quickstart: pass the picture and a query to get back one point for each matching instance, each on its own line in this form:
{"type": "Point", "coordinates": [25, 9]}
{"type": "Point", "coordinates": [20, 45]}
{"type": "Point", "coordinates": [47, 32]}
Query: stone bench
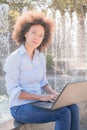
{"type": "Point", "coordinates": [13, 125]}
{"type": "Point", "coordinates": [10, 125]}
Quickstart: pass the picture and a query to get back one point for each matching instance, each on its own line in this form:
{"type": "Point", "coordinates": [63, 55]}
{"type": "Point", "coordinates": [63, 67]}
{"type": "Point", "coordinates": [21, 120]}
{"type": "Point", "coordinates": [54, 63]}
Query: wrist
{"type": "Point", "coordinates": [39, 97]}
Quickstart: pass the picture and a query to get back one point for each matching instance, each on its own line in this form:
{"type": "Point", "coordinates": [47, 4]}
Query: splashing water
{"type": "Point", "coordinates": [4, 109]}
{"type": "Point", "coordinates": [69, 63]}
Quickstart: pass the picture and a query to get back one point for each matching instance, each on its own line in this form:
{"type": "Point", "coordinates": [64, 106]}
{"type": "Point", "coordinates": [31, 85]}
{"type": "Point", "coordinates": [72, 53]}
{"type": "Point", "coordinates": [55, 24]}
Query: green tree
{"type": "Point", "coordinates": [49, 61]}
{"type": "Point", "coordinates": [79, 6]}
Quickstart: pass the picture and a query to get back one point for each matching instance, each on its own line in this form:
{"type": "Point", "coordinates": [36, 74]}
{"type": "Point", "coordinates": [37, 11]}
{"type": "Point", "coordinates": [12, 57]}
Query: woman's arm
{"type": "Point", "coordinates": [27, 96]}
{"type": "Point", "coordinates": [49, 90]}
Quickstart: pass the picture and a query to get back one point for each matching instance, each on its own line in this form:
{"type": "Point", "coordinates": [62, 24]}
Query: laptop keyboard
{"type": "Point", "coordinates": [43, 104]}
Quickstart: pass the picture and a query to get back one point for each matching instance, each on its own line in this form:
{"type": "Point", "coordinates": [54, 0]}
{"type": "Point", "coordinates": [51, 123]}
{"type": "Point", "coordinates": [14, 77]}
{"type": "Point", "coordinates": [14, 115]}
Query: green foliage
{"type": "Point", "coordinates": [79, 6]}
{"type": "Point", "coordinates": [49, 61]}
{"type": "Point", "coordinates": [3, 1]}
{"type": "Point", "coordinates": [15, 10]}
{"type": "Point", "coordinates": [13, 14]}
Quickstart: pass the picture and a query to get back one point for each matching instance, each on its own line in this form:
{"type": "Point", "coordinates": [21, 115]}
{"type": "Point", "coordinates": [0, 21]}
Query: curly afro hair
{"type": "Point", "coordinates": [28, 19]}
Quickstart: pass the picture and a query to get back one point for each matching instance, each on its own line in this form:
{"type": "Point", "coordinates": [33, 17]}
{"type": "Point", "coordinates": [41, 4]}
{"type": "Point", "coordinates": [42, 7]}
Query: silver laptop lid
{"type": "Point", "coordinates": [72, 93]}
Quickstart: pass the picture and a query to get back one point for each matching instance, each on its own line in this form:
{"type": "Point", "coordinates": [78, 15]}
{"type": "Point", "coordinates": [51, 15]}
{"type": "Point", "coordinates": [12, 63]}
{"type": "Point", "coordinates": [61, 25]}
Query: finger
{"type": "Point", "coordinates": [52, 100]}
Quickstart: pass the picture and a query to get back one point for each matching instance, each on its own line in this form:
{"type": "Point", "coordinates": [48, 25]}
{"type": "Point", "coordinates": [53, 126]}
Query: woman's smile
{"type": "Point", "coordinates": [34, 36]}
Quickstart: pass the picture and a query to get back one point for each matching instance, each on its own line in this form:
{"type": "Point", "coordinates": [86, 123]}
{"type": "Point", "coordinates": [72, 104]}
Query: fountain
{"type": "Point", "coordinates": [4, 41]}
{"type": "Point", "coordinates": [69, 62]}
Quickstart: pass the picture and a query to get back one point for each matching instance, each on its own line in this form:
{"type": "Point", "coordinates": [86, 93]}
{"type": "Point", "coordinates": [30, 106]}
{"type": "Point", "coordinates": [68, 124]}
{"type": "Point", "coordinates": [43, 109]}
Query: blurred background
{"type": "Point", "coordinates": [66, 57]}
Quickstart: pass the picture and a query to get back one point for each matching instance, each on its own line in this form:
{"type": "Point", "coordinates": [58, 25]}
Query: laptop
{"type": "Point", "coordinates": [72, 93]}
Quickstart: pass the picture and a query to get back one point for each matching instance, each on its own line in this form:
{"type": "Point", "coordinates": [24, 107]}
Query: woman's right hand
{"type": "Point", "coordinates": [49, 97]}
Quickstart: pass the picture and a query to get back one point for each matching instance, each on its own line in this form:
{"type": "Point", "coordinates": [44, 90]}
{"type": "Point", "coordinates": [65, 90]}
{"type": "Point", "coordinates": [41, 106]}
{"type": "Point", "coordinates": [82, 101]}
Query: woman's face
{"type": "Point", "coordinates": [35, 36]}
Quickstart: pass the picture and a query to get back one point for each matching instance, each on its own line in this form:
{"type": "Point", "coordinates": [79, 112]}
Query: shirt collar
{"type": "Point", "coordinates": [22, 50]}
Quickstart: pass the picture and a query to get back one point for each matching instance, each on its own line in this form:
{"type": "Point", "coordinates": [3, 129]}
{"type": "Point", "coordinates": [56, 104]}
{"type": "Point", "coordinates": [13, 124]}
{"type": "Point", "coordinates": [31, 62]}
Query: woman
{"type": "Point", "coordinates": [25, 75]}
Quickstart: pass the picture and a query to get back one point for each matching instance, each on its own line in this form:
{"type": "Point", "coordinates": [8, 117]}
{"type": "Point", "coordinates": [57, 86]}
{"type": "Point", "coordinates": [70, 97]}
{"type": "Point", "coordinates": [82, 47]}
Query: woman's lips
{"type": "Point", "coordinates": [36, 43]}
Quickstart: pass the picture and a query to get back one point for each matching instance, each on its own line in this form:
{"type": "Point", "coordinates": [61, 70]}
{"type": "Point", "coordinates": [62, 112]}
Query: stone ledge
{"type": "Point", "coordinates": [10, 125]}
{"type": "Point", "coordinates": [13, 125]}
{"type": "Point", "coordinates": [46, 126]}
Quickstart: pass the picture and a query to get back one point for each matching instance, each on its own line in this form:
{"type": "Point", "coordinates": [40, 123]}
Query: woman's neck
{"type": "Point", "coordinates": [30, 50]}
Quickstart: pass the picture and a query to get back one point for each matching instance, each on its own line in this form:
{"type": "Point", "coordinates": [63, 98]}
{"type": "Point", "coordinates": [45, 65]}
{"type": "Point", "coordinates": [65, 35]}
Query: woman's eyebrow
{"type": "Point", "coordinates": [37, 31]}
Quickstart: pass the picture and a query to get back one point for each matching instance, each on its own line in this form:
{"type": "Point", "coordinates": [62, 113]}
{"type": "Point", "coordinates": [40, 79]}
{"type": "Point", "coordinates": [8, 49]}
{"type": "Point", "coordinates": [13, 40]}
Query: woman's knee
{"type": "Point", "coordinates": [67, 112]}
{"type": "Point", "coordinates": [64, 113]}
{"type": "Point", "coordinates": [74, 107]}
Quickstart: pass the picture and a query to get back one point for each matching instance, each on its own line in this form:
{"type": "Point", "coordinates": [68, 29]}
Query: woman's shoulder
{"type": "Point", "coordinates": [12, 61]}
{"type": "Point", "coordinates": [14, 56]}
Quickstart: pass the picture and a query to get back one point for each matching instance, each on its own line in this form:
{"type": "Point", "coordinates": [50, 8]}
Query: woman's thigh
{"type": "Point", "coordinates": [29, 114]}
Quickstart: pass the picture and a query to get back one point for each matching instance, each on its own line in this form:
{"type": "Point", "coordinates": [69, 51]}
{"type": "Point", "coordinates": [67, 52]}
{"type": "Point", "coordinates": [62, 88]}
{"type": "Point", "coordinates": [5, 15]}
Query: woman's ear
{"type": "Point", "coordinates": [26, 35]}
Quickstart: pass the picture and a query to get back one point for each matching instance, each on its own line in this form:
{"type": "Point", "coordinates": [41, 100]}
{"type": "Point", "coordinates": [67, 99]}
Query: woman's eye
{"type": "Point", "coordinates": [33, 32]}
{"type": "Point", "coordinates": [41, 36]}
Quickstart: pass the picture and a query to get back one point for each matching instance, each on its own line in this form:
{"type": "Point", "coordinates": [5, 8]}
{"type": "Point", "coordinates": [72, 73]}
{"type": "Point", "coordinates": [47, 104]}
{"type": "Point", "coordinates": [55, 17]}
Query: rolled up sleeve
{"type": "Point", "coordinates": [12, 73]}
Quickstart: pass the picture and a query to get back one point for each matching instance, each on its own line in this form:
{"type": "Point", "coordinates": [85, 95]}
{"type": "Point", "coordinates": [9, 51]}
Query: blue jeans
{"type": "Point", "coordinates": [66, 118]}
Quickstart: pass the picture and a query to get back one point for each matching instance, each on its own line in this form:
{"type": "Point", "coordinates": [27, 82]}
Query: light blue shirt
{"type": "Point", "coordinates": [25, 74]}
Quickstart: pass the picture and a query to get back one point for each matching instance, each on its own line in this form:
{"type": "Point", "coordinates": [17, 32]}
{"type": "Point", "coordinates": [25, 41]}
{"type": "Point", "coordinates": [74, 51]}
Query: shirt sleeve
{"type": "Point", "coordinates": [11, 69]}
{"type": "Point", "coordinates": [44, 80]}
